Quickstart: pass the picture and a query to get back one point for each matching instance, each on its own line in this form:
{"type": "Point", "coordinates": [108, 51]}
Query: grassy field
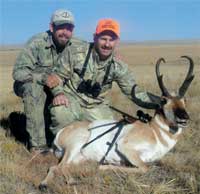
{"type": "Point", "coordinates": [177, 173]}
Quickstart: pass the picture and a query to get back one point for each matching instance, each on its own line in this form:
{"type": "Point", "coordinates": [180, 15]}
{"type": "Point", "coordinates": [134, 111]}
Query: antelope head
{"type": "Point", "coordinates": [173, 106]}
{"type": "Point", "coordinates": [170, 106]}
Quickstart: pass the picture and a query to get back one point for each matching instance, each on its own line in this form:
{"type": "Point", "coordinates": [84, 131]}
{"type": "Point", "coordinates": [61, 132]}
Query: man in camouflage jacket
{"type": "Point", "coordinates": [33, 73]}
{"type": "Point", "coordinates": [88, 78]}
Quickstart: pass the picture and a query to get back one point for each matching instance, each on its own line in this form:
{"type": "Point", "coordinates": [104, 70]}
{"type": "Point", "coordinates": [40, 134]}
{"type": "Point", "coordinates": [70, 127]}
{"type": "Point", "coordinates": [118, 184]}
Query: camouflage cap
{"type": "Point", "coordinates": [62, 16]}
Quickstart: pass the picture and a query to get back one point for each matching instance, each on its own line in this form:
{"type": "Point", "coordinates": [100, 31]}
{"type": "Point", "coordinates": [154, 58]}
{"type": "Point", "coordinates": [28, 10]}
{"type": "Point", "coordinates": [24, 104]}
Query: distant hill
{"type": "Point", "coordinates": [147, 42]}
{"type": "Point", "coordinates": [165, 42]}
{"type": "Point", "coordinates": [11, 47]}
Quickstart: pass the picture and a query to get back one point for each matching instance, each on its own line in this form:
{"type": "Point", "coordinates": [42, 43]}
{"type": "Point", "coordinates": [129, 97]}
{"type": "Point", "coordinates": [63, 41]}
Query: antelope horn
{"type": "Point", "coordinates": [188, 79]}
{"type": "Point", "coordinates": [155, 104]}
{"type": "Point", "coordinates": [160, 78]}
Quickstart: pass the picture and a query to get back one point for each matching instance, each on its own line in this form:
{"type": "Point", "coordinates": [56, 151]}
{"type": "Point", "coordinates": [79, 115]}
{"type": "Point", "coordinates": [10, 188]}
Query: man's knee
{"type": "Point", "coordinates": [18, 88]}
{"type": "Point", "coordinates": [58, 111]}
{"type": "Point", "coordinates": [60, 116]}
{"type": "Point", "coordinates": [100, 112]}
{"type": "Point", "coordinates": [23, 89]}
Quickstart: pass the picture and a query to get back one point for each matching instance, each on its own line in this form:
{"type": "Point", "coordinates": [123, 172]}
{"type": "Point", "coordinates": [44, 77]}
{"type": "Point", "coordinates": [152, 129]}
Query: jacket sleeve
{"type": "Point", "coordinates": [27, 67]}
{"type": "Point", "coordinates": [125, 80]}
{"type": "Point", "coordinates": [24, 65]}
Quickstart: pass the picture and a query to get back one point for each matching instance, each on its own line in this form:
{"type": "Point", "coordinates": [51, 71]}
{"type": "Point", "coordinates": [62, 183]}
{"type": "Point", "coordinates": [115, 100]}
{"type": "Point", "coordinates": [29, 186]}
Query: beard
{"type": "Point", "coordinates": [60, 40]}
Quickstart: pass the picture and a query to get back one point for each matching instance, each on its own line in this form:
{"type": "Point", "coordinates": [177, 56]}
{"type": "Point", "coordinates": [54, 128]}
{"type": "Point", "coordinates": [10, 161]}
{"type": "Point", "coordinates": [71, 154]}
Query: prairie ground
{"type": "Point", "coordinates": [176, 173]}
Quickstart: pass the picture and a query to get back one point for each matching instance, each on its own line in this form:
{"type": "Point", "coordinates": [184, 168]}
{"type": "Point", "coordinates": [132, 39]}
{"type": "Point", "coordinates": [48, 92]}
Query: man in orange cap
{"type": "Point", "coordinates": [106, 37]}
{"type": "Point", "coordinates": [93, 71]}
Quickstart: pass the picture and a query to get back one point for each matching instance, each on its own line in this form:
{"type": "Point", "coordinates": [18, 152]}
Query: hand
{"type": "Point", "coordinates": [53, 80]}
{"type": "Point", "coordinates": [60, 99]}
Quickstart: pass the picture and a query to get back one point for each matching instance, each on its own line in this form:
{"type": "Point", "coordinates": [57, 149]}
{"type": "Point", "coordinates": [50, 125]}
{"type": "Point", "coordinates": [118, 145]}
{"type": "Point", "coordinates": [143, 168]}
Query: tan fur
{"type": "Point", "coordinates": [140, 130]}
{"type": "Point", "coordinates": [69, 131]}
{"type": "Point", "coordinates": [157, 129]}
{"type": "Point", "coordinates": [138, 142]}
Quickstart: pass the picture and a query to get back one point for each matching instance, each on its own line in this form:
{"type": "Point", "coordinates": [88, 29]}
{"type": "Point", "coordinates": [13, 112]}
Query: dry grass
{"type": "Point", "coordinates": [177, 173]}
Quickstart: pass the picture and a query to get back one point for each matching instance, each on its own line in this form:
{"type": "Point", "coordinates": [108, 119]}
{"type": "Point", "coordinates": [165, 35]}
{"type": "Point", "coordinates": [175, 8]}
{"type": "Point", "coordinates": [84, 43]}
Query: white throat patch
{"type": "Point", "coordinates": [161, 124]}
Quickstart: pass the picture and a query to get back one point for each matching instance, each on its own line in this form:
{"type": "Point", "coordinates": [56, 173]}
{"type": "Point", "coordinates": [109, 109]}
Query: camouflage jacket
{"type": "Point", "coordinates": [39, 57]}
{"type": "Point", "coordinates": [96, 70]}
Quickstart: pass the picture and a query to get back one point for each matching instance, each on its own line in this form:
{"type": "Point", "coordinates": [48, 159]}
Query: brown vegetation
{"type": "Point", "coordinates": [177, 173]}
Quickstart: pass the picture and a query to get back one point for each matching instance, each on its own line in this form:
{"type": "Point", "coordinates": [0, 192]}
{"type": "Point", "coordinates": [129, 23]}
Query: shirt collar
{"type": "Point", "coordinates": [49, 40]}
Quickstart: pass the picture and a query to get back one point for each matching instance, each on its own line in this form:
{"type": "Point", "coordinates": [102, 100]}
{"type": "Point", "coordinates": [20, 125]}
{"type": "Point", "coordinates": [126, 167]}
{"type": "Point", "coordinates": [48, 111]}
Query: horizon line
{"type": "Point", "coordinates": [179, 41]}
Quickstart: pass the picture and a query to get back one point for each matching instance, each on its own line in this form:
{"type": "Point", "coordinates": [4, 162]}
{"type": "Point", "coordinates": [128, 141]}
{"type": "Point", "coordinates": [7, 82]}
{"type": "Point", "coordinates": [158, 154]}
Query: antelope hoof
{"type": "Point", "coordinates": [42, 187]}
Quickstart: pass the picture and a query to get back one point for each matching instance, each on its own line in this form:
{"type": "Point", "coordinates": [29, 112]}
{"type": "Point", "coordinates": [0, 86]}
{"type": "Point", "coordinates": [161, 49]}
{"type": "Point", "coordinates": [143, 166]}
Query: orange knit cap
{"type": "Point", "coordinates": [108, 24]}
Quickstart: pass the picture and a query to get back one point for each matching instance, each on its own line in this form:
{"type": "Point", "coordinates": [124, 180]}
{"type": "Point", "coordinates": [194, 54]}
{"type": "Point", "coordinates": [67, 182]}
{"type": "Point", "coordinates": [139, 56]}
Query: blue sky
{"type": "Point", "coordinates": [140, 20]}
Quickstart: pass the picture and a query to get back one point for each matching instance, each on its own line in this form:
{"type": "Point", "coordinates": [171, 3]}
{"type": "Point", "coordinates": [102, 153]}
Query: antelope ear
{"type": "Point", "coordinates": [184, 100]}
{"type": "Point", "coordinates": [154, 98]}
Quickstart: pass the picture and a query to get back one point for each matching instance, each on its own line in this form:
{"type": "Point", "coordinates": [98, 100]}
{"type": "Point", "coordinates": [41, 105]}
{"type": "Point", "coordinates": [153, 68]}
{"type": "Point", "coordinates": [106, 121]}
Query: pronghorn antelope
{"type": "Point", "coordinates": [137, 143]}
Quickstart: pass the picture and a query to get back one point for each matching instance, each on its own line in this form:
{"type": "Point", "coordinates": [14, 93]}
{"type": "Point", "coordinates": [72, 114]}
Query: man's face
{"type": "Point", "coordinates": [62, 33]}
{"type": "Point", "coordinates": [105, 43]}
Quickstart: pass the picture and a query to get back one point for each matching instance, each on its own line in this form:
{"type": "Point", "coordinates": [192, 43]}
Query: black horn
{"type": "Point", "coordinates": [155, 104]}
{"type": "Point", "coordinates": [160, 78]}
{"type": "Point", "coordinates": [189, 77]}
